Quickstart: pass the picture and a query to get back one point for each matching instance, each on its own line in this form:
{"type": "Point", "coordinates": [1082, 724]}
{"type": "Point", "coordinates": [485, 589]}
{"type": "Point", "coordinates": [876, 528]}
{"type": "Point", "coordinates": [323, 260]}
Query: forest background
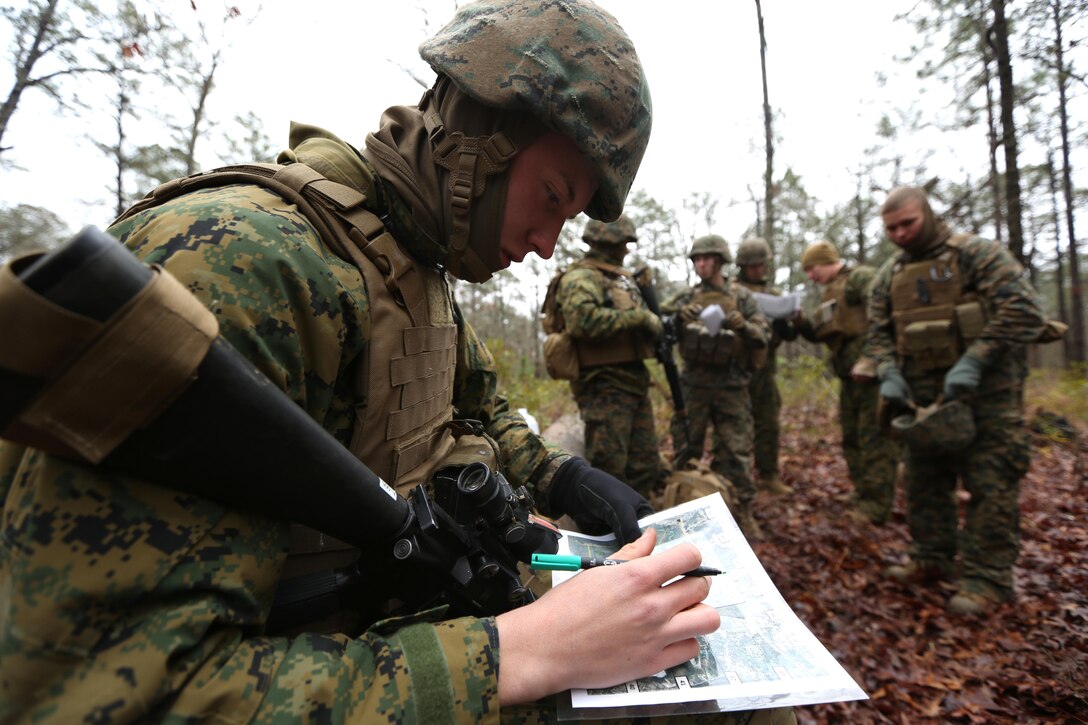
{"type": "Point", "coordinates": [772, 119]}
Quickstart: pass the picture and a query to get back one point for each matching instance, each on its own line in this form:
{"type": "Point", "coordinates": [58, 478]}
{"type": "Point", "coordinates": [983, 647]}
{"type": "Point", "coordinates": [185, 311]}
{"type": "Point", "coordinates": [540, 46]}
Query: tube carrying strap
{"type": "Point", "coordinates": [42, 337]}
{"type": "Point", "coordinates": [141, 360]}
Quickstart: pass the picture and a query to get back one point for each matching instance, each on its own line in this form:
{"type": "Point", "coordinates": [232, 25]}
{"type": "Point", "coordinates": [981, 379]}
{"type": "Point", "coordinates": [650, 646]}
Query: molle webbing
{"type": "Point", "coordinates": [698, 346]}
{"type": "Point", "coordinates": [106, 379]}
{"type": "Point", "coordinates": [935, 318]}
{"type": "Point", "coordinates": [848, 320]}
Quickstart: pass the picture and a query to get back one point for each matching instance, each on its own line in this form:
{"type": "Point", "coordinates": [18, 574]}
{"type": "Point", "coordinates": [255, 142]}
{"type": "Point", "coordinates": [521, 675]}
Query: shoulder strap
{"type": "Point", "coordinates": [336, 211]}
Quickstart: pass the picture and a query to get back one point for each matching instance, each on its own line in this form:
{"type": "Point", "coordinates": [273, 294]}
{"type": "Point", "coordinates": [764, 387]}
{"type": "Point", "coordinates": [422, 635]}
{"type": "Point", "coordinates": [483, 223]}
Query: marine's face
{"type": "Point", "coordinates": [754, 272]}
{"type": "Point", "coordinates": [904, 224]}
{"type": "Point", "coordinates": [707, 266]}
{"type": "Point", "coordinates": [615, 251]}
{"type": "Point", "coordinates": [822, 273]}
{"type": "Point", "coordinates": [549, 181]}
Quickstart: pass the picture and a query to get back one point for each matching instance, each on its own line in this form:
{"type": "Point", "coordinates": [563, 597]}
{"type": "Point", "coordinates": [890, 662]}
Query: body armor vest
{"type": "Point", "coordinates": [839, 320]}
{"type": "Point", "coordinates": [697, 345]}
{"type": "Point", "coordinates": [622, 294]}
{"type": "Point", "coordinates": [404, 383]}
{"type": "Point", "coordinates": [935, 317]}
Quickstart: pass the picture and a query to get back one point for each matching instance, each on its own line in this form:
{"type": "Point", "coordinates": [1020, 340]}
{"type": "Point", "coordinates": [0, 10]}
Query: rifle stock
{"type": "Point", "coordinates": [663, 349]}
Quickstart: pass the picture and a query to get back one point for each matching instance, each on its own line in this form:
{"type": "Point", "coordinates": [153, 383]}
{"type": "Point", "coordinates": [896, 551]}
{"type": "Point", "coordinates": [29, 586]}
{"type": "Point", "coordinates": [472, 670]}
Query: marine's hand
{"type": "Point", "coordinates": [606, 625]}
{"type": "Point", "coordinates": [963, 378]}
{"type": "Point", "coordinates": [597, 501]}
{"type": "Point", "coordinates": [690, 313]}
{"type": "Point", "coordinates": [894, 388]}
{"type": "Point", "coordinates": [652, 326]}
{"type": "Point", "coordinates": [734, 320]}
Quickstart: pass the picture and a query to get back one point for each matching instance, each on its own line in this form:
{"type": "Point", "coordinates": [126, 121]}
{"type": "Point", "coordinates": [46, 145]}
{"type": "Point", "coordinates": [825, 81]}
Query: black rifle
{"type": "Point", "coordinates": [644, 278]}
{"type": "Point", "coordinates": [234, 437]}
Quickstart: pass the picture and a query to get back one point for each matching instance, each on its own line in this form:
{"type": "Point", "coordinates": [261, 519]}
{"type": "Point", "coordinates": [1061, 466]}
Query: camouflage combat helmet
{"type": "Point", "coordinates": [711, 244]}
{"type": "Point", "coordinates": [569, 65]}
{"type": "Point", "coordinates": [938, 428]}
{"type": "Point", "coordinates": [618, 232]}
{"type": "Point", "coordinates": [753, 251]}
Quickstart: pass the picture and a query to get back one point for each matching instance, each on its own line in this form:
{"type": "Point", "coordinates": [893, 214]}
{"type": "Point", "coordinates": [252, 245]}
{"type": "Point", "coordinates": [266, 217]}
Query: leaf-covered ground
{"type": "Point", "coordinates": [1026, 664]}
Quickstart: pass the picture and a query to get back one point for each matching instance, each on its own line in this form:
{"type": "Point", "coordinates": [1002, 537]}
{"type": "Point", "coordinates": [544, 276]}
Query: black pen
{"type": "Point", "coordinates": [561, 562]}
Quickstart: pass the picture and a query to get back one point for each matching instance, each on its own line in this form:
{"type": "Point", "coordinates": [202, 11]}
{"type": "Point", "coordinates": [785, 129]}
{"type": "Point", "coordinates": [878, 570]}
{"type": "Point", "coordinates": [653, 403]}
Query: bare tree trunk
{"type": "Point", "coordinates": [991, 125]}
{"type": "Point", "coordinates": [1076, 339]}
{"type": "Point", "coordinates": [119, 152]}
{"type": "Point", "coordinates": [768, 175]}
{"type": "Point", "coordinates": [1063, 313]}
{"type": "Point", "coordinates": [206, 86]}
{"type": "Point", "coordinates": [25, 66]}
{"type": "Point", "coordinates": [999, 41]}
{"type": "Point", "coordinates": [859, 219]}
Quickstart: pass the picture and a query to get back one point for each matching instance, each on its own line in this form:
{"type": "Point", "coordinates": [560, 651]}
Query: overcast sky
{"type": "Point", "coordinates": [335, 64]}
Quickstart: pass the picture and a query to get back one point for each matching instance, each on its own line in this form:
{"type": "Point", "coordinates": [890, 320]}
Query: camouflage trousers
{"type": "Point", "coordinates": [766, 404]}
{"type": "Point", "coordinates": [990, 470]}
{"type": "Point", "coordinates": [871, 457]}
{"type": "Point", "coordinates": [729, 411]}
{"type": "Point", "coordinates": [541, 714]}
{"type": "Point", "coordinates": [620, 437]}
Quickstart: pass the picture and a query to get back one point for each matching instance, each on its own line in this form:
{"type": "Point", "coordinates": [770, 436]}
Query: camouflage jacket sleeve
{"type": "Point", "coordinates": [880, 340]}
{"type": "Point", "coordinates": [128, 599]}
{"type": "Point", "coordinates": [859, 285]}
{"type": "Point", "coordinates": [673, 304]}
{"type": "Point", "coordinates": [586, 311]}
{"type": "Point", "coordinates": [1014, 315]}
{"type": "Point", "coordinates": [527, 459]}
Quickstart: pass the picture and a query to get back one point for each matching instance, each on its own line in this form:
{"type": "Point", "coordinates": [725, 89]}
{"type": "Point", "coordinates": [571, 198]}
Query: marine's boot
{"type": "Point", "coordinates": [774, 486]}
{"type": "Point", "coordinates": [977, 597]}
{"type": "Point", "coordinates": [920, 572]}
{"type": "Point", "coordinates": [747, 523]}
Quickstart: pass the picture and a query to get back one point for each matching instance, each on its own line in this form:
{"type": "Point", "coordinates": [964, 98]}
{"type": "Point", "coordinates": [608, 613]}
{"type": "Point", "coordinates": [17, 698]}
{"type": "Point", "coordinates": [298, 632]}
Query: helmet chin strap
{"type": "Point", "coordinates": [469, 161]}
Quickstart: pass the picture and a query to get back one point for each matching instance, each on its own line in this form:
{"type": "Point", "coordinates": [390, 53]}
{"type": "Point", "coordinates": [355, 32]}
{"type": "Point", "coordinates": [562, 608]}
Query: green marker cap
{"type": "Point", "coordinates": [556, 562]}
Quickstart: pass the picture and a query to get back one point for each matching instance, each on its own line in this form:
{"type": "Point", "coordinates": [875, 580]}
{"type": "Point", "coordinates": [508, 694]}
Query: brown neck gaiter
{"type": "Point", "coordinates": [934, 232]}
{"type": "Point", "coordinates": [403, 152]}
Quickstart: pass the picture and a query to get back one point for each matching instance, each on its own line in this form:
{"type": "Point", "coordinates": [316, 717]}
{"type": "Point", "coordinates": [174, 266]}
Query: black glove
{"type": "Point", "coordinates": [781, 328]}
{"type": "Point", "coordinates": [597, 501]}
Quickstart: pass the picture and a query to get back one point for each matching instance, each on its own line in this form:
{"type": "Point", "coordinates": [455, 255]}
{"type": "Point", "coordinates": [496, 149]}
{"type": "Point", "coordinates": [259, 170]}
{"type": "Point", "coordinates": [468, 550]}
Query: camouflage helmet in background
{"type": "Point", "coordinates": [620, 231]}
{"type": "Point", "coordinates": [753, 250]}
{"type": "Point", "coordinates": [711, 244]}
{"type": "Point", "coordinates": [569, 65]}
{"type": "Point", "coordinates": [937, 428]}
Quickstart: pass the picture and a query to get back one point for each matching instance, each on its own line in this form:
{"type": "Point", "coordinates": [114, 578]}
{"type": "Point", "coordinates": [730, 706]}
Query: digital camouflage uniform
{"type": "Point", "coordinates": [717, 394]}
{"type": "Point", "coordinates": [124, 601]}
{"type": "Point", "coordinates": [165, 595]}
{"type": "Point", "coordinates": [871, 457]}
{"type": "Point", "coordinates": [992, 466]}
{"type": "Point", "coordinates": [601, 305]}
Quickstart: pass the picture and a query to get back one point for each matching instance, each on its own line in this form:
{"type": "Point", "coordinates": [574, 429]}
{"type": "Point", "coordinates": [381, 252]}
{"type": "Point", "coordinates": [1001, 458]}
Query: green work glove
{"type": "Point", "coordinates": [963, 378]}
{"type": "Point", "coordinates": [690, 313]}
{"type": "Point", "coordinates": [652, 325]}
{"type": "Point", "coordinates": [894, 388]}
{"type": "Point", "coordinates": [734, 320]}
{"type": "Point", "coordinates": [645, 321]}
